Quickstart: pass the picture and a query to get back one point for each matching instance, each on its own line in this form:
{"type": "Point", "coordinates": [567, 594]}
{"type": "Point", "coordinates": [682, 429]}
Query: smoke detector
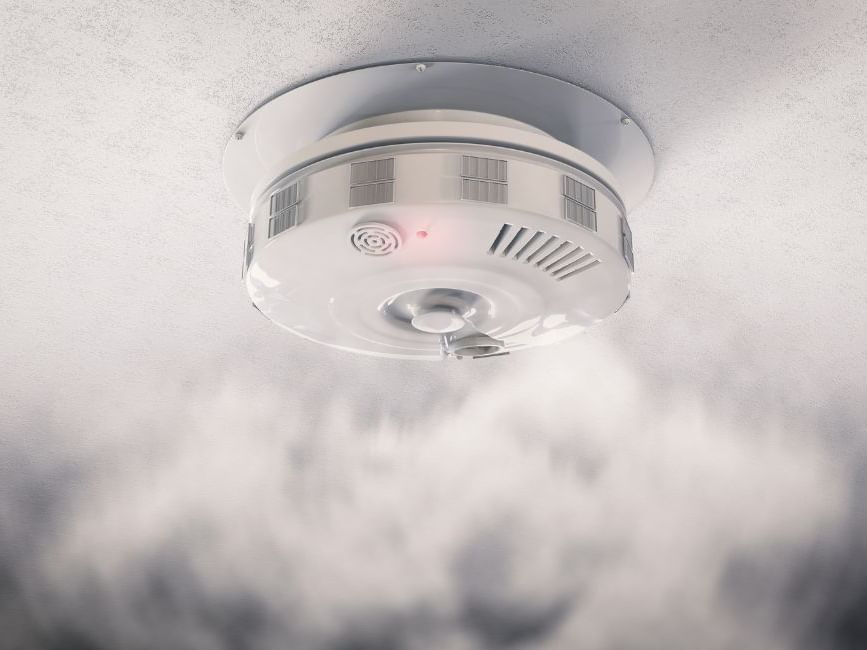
{"type": "Point", "coordinates": [438, 210]}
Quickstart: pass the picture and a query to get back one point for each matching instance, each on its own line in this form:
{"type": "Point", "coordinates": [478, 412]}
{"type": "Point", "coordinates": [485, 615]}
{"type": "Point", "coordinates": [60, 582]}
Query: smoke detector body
{"type": "Point", "coordinates": [436, 210]}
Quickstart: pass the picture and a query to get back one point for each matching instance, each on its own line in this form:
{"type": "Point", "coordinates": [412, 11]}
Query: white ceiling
{"type": "Point", "coordinates": [119, 275]}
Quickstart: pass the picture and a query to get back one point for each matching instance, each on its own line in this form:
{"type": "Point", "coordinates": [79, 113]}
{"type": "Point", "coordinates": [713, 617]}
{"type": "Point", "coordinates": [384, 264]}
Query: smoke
{"type": "Point", "coordinates": [562, 504]}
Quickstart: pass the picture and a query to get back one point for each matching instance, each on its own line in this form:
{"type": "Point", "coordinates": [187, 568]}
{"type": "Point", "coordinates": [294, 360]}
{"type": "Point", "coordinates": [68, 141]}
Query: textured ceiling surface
{"type": "Point", "coordinates": [119, 288]}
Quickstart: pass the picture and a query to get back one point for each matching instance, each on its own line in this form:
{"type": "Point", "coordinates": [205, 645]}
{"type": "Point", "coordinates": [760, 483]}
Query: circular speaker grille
{"type": "Point", "coordinates": [375, 238]}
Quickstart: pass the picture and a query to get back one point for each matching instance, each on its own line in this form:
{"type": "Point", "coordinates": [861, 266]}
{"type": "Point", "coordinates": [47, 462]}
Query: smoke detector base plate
{"type": "Point", "coordinates": [445, 209]}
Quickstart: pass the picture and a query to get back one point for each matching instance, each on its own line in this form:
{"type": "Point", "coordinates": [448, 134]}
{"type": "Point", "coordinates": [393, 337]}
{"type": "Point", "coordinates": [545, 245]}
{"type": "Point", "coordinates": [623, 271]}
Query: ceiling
{"type": "Point", "coordinates": [119, 288]}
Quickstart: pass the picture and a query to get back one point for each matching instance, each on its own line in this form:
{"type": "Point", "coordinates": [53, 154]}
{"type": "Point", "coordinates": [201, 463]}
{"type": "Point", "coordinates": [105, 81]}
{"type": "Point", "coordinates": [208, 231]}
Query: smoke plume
{"type": "Point", "coordinates": [563, 504]}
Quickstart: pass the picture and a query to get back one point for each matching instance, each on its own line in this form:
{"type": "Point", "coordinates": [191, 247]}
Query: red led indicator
{"type": "Point", "coordinates": [421, 234]}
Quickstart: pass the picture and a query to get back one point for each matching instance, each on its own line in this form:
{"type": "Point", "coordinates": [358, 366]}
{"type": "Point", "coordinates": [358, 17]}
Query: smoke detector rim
{"type": "Point", "coordinates": [314, 111]}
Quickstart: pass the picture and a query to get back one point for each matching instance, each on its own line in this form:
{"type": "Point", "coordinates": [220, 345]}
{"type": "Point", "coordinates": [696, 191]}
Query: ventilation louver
{"type": "Point", "coordinates": [371, 182]}
{"type": "Point", "coordinates": [248, 248]}
{"type": "Point", "coordinates": [284, 210]}
{"type": "Point", "coordinates": [484, 179]}
{"type": "Point", "coordinates": [579, 203]}
{"type": "Point", "coordinates": [559, 258]}
{"type": "Point", "coordinates": [626, 233]}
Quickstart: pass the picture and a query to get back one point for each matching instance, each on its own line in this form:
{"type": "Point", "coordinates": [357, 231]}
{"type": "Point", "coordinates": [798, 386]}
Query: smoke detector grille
{"type": "Point", "coordinates": [579, 192]}
{"type": "Point", "coordinates": [248, 248]}
{"type": "Point", "coordinates": [559, 258]}
{"type": "Point", "coordinates": [488, 169]}
{"type": "Point", "coordinates": [371, 194]}
{"type": "Point", "coordinates": [579, 203]}
{"type": "Point", "coordinates": [484, 179]}
{"type": "Point", "coordinates": [473, 190]}
{"type": "Point", "coordinates": [284, 210]}
{"type": "Point", "coordinates": [283, 221]}
{"type": "Point", "coordinates": [371, 182]}
{"type": "Point", "coordinates": [626, 233]}
{"type": "Point", "coordinates": [375, 239]}
{"type": "Point", "coordinates": [371, 171]}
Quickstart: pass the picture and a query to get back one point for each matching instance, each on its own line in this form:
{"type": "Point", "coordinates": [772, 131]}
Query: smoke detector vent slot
{"type": "Point", "coordinates": [371, 194]}
{"type": "Point", "coordinates": [626, 232]}
{"type": "Point", "coordinates": [579, 203]}
{"type": "Point", "coordinates": [558, 264]}
{"type": "Point", "coordinates": [371, 182]}
{"type": "Point", "coordinates": [283, 221]}
{"type": "Point", "coordinates": [371, 171]}
{"type": "Point", "coordinates": [484, 179]}
{"type": "Point", "coordinates": [515, 241]}
{"type": "Point", "coordinates": [578, 270]}
{"type": "Point", "coordinates": [579, 192]}
{"type": "Point", "coordinates": [486, 169]}
{"type": "Point", "coordinates": [248, 248]}
{"type": "Point", "coordinates": [579, 214]}
{"type": "Point", "coordinates": [485, 191]}
{"type": "Point", "coordinates": [283, 199]}
{"type": "Point", "coordinates": [504, 230]}
{"type": "Point", "coordinates": [544, 248]}
{"type": "Point", "coordinates": [284, 210]}
{"type": "Point", "coordinates": [559, 258]}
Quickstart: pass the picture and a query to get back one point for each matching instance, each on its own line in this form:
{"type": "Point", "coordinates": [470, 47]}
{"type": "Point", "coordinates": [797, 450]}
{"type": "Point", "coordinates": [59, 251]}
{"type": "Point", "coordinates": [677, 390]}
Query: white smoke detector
{"type": "Point", "coordinates": [441, 209]}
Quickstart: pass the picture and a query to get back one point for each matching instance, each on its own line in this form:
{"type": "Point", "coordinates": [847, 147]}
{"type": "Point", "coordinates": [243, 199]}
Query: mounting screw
{"type": "Point", "coordinates": [420, 67]}
{"type": "Point", "coordinates": [625, 121]}
{"type": "Point", "coordinates": [239, 135]}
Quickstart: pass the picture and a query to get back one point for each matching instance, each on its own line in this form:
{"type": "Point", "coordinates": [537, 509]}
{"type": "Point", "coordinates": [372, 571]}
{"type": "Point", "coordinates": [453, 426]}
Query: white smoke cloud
{"type": "Point", "coordinates": [564, 504]}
